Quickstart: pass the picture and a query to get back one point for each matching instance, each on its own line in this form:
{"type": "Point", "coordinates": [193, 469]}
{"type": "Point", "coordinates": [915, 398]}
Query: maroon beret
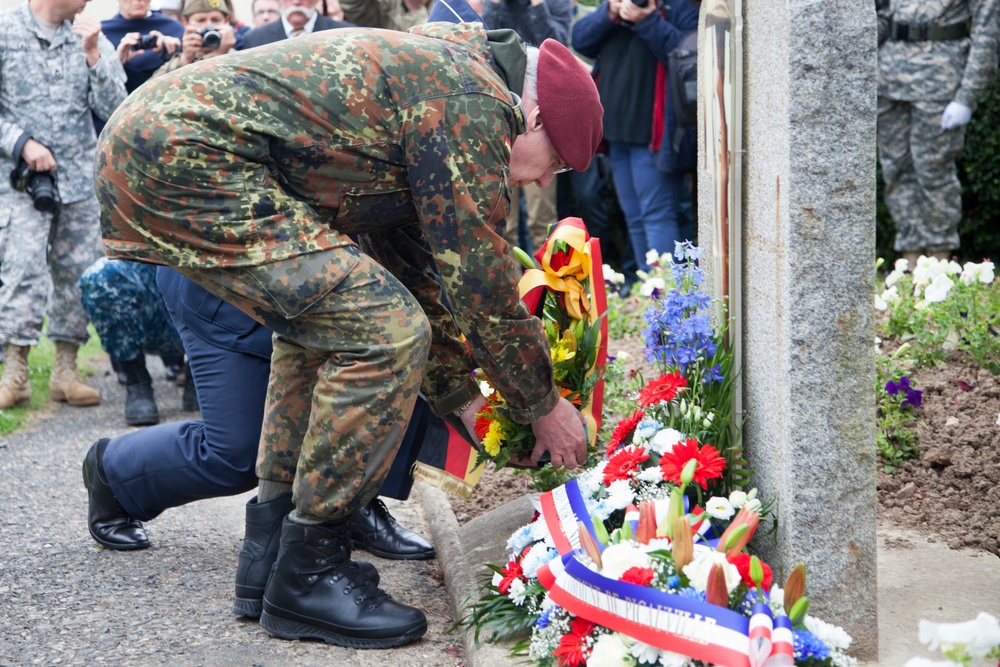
{"type": "Point", "coordinates": [568, 104]}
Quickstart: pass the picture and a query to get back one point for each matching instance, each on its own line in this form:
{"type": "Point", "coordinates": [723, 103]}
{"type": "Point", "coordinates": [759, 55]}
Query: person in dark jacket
{"type": "Point", "coordinates": [298, 17]}
{"type": "Point", "coordinates": [648, 157]}
{"type": "Point", "coordinates": [134, 16]}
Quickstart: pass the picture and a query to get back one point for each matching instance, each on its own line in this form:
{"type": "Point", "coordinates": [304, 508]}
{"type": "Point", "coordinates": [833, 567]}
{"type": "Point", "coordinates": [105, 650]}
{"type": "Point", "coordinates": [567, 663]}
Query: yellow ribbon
{"type": "Point", "coordinates": [566, 279]}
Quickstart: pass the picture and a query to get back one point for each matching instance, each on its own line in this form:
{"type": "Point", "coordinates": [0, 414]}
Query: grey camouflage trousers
{"type": "Point", "coordinates": [922, 190]}
{"type": "Point", "coordinates": [35, 274]}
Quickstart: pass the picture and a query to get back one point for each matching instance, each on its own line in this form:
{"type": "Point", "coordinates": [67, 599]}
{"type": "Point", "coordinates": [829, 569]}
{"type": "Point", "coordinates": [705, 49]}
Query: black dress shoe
{"type": "Point", "coordinates": [110, 525]}
{"type": "Point", "coordinates": [373, 529]}
{"type": "Point", "coordinates": [315, 591]}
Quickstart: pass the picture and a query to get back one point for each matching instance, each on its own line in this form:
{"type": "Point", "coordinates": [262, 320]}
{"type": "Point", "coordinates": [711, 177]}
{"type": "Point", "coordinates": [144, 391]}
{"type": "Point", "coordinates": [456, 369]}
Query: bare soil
{"type": "Point", "coordinates": [950, 492]}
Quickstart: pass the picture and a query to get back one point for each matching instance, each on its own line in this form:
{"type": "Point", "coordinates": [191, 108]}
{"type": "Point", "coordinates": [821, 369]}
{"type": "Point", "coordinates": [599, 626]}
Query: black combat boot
{"type": "Point", "coordinates": [110, 525]}
{"type": "Point", "coordinates": [373, 529]}
{"type": "Point", "coordinates": [260, 550]}
{"type": "Point", "coordinates": [140, 406]}
{"type": "Point", "coordinates": [316, 592]}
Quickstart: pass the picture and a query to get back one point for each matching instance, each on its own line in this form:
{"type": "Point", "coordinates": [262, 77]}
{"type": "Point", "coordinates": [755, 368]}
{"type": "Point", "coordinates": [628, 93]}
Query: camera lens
{"type": "Point", "coordinates": [211, 38]}
{"type": "Point", "coordinates": [145, 42]}
{"type": "Point", "coordinates": [42, 188]}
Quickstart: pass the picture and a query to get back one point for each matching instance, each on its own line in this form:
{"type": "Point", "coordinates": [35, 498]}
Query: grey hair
{"type": "Point", "coordinates": [530, 90]}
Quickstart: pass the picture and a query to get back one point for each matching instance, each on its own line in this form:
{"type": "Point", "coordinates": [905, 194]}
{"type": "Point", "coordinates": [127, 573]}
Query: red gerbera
{"type": "Point", "coordinates": [572, 650]}
{"type": "Point", "coordinates": [624, 429]}
{"type": "Point", "coordinates": [511, 573]}
{"type": "Point", "coordinates": [637, 575]}
{"type": "Point", "coordinates": [624, 463]}
{"type": "Point", "coordinates": [710, 462]}
{"type": "Point", "coordinates": [663, 388]}
{"type": "Point", "coordinates": [483, 421]}
{"type": "Point", "coordinates": [742, 563]}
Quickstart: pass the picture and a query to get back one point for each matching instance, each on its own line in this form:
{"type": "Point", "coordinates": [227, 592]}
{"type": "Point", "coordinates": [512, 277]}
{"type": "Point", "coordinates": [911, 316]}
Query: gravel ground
{"type": "Point", "coordinates": [66, 601]}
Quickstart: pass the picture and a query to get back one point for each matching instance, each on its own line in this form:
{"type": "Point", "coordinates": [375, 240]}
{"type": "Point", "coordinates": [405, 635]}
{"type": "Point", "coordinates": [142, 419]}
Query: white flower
{"type": "Point", "coordinates": [890, 295]}
{"type": "Point", "coordinates": [645, 429]}
{"type": "Point", "coordinates": [620, 494]}
{"type": "Point", "coordinates": [485, 389]}
{"type": "Point", "coordinates": [697, 570]}
{"type": "Point", "coordinates": [651, 285]}
{"type": "Point", "coordinates": [671, 659]}
{"type": "Point", "coordinates": [894, 277]}
{"type": "Point", "coordinates": [497, 578]}
{"type": "Point", "coordinates": [623, 355]}
{"type": "Point", "coordinates": [738, 499]}
{"type": "Point", "coordinates": [516, 592]}
{"type": "Point", "coordinates": [901, 264]}
{"type": "Point", "coordinates": [644, 653]}
{"type": "Point", "coordinates": [880, 303]}
{"type": "Point", "coordinates": [754, 505]}
{"type": "Point", "coordinates": [937, 291]}
{"type": "Point", "coordinates": [982, 273]}
{"type": "Point", "coordinates": [610, 650]}
{"type": "Point", "coordinates": [719, 508]}
{"type": "Point", "coordinates": [652, 474]}
{"type": "Point", "coordinates": [953, 267]}
{"type": "Point", "coordinates": [613, 276]}
{"type": "Point", "coordinates": [664, 440]}
{"type": "Point", "coordinates": [979, 636]}
{"type": "Point", "coordinates": [618, 558]}
{"type": "Point", "coordinates": [536, 556]}
{"type": "Point", "coordinates": [652, 257]}
{"type": "Point", "coordinates": [832, 635]}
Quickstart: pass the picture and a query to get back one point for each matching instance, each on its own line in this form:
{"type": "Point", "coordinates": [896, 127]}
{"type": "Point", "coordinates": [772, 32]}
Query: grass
{"type": "Point", "coordinates": [39, 369]}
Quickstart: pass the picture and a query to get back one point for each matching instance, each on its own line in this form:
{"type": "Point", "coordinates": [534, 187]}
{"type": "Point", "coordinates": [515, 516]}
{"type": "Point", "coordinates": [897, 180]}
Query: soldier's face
{"type": "Point", "coordinates": [532, 157]}
{"type": "Point", "coordinates": [133, 9]}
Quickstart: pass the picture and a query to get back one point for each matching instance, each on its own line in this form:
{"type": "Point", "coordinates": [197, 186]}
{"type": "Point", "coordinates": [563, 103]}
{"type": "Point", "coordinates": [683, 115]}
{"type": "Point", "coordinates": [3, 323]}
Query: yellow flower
{"type": "Point", "coordinates": [563, 350]}
{"type": "Point", "coordinates": [491, 443]}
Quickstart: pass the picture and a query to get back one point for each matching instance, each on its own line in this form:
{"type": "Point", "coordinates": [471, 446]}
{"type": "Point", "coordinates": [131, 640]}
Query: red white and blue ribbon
{"type": "Point", "coordinates": [670, 622]}
{"type": "Point", "coordinates": [562, 510]}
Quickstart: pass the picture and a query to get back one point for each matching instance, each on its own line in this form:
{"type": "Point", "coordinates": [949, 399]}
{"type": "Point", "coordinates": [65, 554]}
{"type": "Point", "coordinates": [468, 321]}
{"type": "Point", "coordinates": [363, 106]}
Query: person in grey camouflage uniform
{"type": "Point", "coordinates": [250, 174]}
{"type": "Point", "coordinates": [936, 59]}
{"type": "Point", "coordinates": [54, 72]}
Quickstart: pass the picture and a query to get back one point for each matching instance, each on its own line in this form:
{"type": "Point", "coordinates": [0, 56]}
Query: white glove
{"type": "Point", "coordinates": [955, 114]}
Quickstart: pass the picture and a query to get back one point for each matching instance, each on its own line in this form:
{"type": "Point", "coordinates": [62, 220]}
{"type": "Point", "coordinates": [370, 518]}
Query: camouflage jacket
{"type": "Point", "coordinates": [400, 138]}
{"type": "Point", "coordinates": [47, 92]}
{"type": "Point", "coordinates": [944, 71]}
{"type": "Point", "coordinates": [388, 14]}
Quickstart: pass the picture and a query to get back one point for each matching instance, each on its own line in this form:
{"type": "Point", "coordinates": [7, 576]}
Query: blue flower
{"type": "Point", "coordinates": [750, 599]}
{"type": "Point", "coordinates": [673, 581]}
{"type": "Point", "coordinates": [544, 619]}
{"type": "Point", "coordinates": [807, 645]}
{"type": "Point", "coordinates": [690, 593]}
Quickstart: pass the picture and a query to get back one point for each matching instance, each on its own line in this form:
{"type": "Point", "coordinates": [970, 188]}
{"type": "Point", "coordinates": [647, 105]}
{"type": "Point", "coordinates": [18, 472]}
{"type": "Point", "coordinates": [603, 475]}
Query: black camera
{"type": "Point", "coordinates": [639, 3]}
{"type": "Point", "coordinates": [40, 185]}
{"type": "Point", "coordinates": [211, 38]}
{"type": "Point", "coordinates": [145, 42]}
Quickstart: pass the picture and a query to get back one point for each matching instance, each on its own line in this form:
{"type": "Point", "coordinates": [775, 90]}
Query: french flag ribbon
{"type": "Point", "coordinates": [562, 509]}
{"type": "Point", "coordinates": [761, 627]}
{"type": "Point", "coordinates": [782, 650]}
{"type": "Point", "coordinates": [690, 627]}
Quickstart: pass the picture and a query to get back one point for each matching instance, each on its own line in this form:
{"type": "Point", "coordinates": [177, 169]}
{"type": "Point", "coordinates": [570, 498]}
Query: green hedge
{"type": "Point", "coordinates": [979, 171]}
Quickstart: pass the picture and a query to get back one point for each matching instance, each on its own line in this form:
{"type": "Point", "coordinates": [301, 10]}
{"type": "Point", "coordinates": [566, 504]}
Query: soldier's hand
{"type": "Point", "coordinates": [89, 31]}
{"type": "Point", "coordinates": [955, 115]}
{"type": "Point", "coordinates": [469, 416]}
{"type": "Point", "coordinates": [629, 11]}
{"type": "Point", "coordinates": [561, 434]}
{"type": "Point", "coordinates": [38, 157]}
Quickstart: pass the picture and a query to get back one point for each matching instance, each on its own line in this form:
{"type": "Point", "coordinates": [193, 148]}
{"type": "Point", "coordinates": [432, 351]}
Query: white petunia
{"type": "Point", "coordinates": [719, 508]}
{"type": "Point", "coordinates": [613, 276]}
{"type": "Point", "coordinates": [610, 650]}
{"type": "Point", "coordinates": [652, 257]}
{"type": "Point", "coordinates": [664, 440]}
{"type": "Point", "coordinates": [620, 494]}
{"type": "Point", "coordinates": [880, 303]}
{"type": "Point", "coordinates": [618, 558]}
{"type": "Point", "coordinates": [622, 355]}
{"type": "Point", "coordinates": [832, 635]}
{"type": "Point", "coordinates": [697, 571]}
{"type": "Point", "coordinates": [652, 285]}
{"type": "Point", "coordinates": [890, 295]}
{"type": "Point", "coordinates": [901, 264]}
{"type": "Point", "coordinates": [979, 636]}
{"type": "Point", "coordinates": [937, 291]}
{"type": "Point", "coordinates": [894, 277]}
{"type": "Point", "coordinates": [981, 273]}
{"type": "Point", "coordinates": [738, 499]}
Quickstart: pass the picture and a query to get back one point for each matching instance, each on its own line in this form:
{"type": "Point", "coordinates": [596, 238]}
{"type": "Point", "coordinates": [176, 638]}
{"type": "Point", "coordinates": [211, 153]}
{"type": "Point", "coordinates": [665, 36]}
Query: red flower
{"type": "Point", "coordinates": [637, 575]}
{"type": "Point", "coordinates": [663, 388]}
{"type": "Point", "coordinates": [742, 563]}
{"type": "Point", "coordinates": [483, 421]}
{"type": "Point", "coordinates": [511, 573]}
{"type": "Point", "coordinates": [624, 429]}
{"type": "Point", "coordinates": [572, 650]}
{"type": "Point", "coordinates": [710, 462]}
{"type": "Point", "coordinates": [558, 260]}
{"type": "Point", "coordinates": [624, 463]}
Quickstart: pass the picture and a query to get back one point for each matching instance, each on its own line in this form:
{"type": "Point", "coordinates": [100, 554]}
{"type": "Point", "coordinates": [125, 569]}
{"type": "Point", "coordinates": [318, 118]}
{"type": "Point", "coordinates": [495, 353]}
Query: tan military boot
{"type": "Point", "coordinates": [65, 384]}
{"type": "Point", "coordinates": [14, 386]}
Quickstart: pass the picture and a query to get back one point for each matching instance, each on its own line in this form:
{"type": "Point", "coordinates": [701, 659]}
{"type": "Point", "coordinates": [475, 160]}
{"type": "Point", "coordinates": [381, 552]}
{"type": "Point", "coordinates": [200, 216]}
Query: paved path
{"type": "Point", "coordinates": [66, 601]}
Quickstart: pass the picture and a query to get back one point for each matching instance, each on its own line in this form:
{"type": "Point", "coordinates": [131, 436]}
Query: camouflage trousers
{"type": "Point", "coordinates": [42, 257]}
{"type": "Point", "coordinates": [350, 347]}
{"type": "Point", "coordinates": [125, 305]}
{"type": "Point", "coordinates": [922, 190]}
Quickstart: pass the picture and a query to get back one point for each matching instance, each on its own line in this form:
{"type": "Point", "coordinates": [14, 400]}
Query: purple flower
{"type": "Point", "coordinates": [913, 396]}
{"type": "Point", "coordinates": [894, 388]}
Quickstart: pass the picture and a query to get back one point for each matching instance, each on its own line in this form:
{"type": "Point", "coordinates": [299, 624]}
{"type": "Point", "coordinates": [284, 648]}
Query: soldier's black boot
{"type": "Point", "coordinates": [316, 592]}
{"type": "Point", "coordinates": [373, 529]}
{"type": "Point", "coordinates": [260, 550]}
{"type": "Point", "coordinates": [140, 405]}
{"type": "Point", "coordinates": [110, 525]}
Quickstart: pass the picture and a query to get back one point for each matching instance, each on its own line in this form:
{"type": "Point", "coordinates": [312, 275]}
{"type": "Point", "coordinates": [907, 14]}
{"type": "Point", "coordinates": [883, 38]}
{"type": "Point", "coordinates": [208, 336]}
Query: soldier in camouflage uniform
{"type": "Point", "coordinates": [54, 72]}
{"type": "Point", "coordinates": [936, 60]}
{"type": "Point", "coordinates": [249, 174]}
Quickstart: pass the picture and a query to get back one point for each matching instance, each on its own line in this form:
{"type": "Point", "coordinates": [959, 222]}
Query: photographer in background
{"type": "Point", "coordinates": [298, 17]}
{"type": "Point", "coordinates": [150, 37]}
{"type": "Point", "coordinates": [207, 33]}
{"type": "Point", "coordinates": [57, 68]}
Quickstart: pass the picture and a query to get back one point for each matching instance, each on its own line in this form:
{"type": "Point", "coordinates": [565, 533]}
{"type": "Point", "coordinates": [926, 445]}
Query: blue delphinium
{"type": "Point", "coordinates": [543, 619]}
{"type": "Point", "coordinates": [807, 645]}
{"type": "Point", "coordinates": [691, 593]}
{"type": "Point", "coordinates": [680, 330]}
{"type": "Point", "coordinates": [750, 599]}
